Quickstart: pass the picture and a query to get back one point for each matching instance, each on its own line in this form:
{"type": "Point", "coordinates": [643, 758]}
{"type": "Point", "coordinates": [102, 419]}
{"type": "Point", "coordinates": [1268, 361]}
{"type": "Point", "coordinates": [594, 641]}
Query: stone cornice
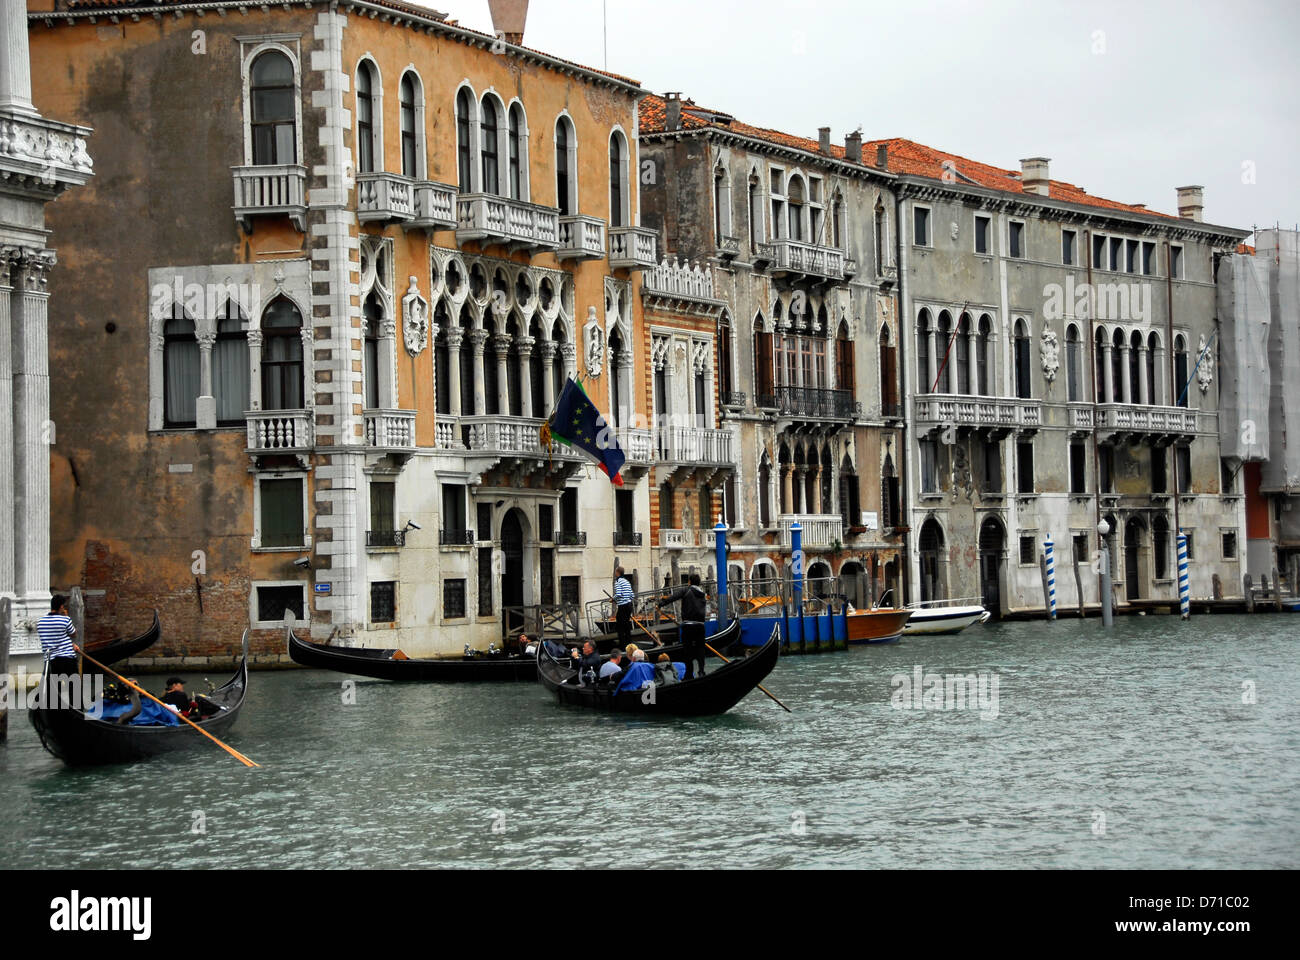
{"type": "Point", "coordinates": [43, 157]}
{"type": "Point", "coordinates": [757, 145]}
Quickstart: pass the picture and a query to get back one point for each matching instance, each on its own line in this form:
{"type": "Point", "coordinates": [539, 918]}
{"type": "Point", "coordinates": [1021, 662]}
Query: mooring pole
{"type": "Point", "coordinates": [1107, 613]}
{"type": "Point", "coordinates": [1051, 577]}
{"type": "Point", "coordinates": [1184, 591]}
{"type": "Point", "coordinates": [720, 549]}
{"type": "Point", "coordinates": [6, 689]}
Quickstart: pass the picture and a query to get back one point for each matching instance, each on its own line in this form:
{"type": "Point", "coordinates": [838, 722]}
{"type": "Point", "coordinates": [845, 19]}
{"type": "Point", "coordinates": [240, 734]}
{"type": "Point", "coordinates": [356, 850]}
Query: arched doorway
{"type": "Point", "coordinates": [851, 584]}
{"type": "Point", "coordinates": [512, 570]}
{"type": "Point", "coordinates": [1133, 577]}
{"type": "Point", "coordinates": [992, 546]}
{"type": "Point", "coordinates": [929, 550]}
{"type": "Point", "coordinates": [818, 579]}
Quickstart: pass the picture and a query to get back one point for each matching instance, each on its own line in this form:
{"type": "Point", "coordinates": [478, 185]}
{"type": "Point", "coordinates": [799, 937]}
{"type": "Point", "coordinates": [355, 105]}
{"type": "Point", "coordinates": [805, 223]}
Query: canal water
{"type": "Point", "coordinates": [1156, 744]}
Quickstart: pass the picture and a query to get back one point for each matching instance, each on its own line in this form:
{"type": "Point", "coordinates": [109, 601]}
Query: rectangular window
{"type": "Point", "coordinates": [571, 590]}
{"type": "Point", "coordinates": [453, 599]}
{"type": "Point", "coordinates": [484, 531]}
{"type": "Point", "coordinates": [1078, 468]}
{"type": "Point", "coordinates": [1098, 252]}
{"type": "Point", "coordinates": [569, 509]}
{"type": "Point", "coordinates": [1016, 240]}
{"type": "Point", "coordinates": [1025, 467]}
{"type": "Point", "coordinates": [1068, 240]}
{"type": "Point", "coordinates": [1148, 258]}
{"type": "Point", "coordinates": [1081, 547]}
{"type": "Point", "coordinates": [383, 602]}
{"type": "Point", "coordinates": [1191, 553]}
{"type": "Point", "coordinates": [1027, 548]}
{"type": "Point", "coordinates": [624, 512]}
{"type": "Point", "coordinates": [1131, 256]}
{"type": "Point", "coordinates": [1229, 545]}
{"type": "Point", "coordinates": [274, 602]}
{"type": "Point", "coordinates": [929, 467]}
{"type": "Point", "coordinates": [1116, 253]}
{"type": "Point", "coordinates": [1175, 261]}
{"type": "Point", "coordinates": [485, 581]}
{"type": "Point", "coordinates": [546, 523]}
{"type": "Point", "coordinates": [282, 513]}
{"type": "Point", "coordinates": [992, 467]}
{"type": "Point", "coordinates": [1183, 462]}
{"type": "Point", "coordinates": [1159, 470]}
{"type": "Point", "coordinates": [1227, 479]}
{"type": "Point", "coordinates": [1106, 467]}
{"type": "Point", "coordinates": [982, 225]}
{"type": "Point", "coordinates": [382, 506]}
{"type": "Point", "coordinates": [453, 514]}
{"type": "Point", "coordinates": [921, 226]}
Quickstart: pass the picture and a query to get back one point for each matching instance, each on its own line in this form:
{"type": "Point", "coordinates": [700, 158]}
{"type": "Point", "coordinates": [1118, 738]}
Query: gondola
{"type": "Point", "coordinates": [113, 651]}
{"type": "Point", "coordinates": [716, 692]}
{"type": "Point", "coordinates": [80, 741]}
{"type": "Point", "coordinates": [385, 664]}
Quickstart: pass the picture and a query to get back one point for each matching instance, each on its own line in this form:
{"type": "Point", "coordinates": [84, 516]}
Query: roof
{"type": "Point", "coordinates": [903, 157]}
{"type": "Point", "coordinates": [1246, 248]}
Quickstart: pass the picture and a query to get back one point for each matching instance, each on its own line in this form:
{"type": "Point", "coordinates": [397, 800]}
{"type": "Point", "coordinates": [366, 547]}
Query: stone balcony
{"type": "Point", "coordinates": [1121, 422]}
{"type": "Point", "coordinates": [581, 238]}
{"type": "Point", "coordinates": [682, 451]}
{"type": "Point", "coordinates": [633, 248]}
{"type": "Point", "coordinates": [385, 198]}
{"type": "Point", "coordinates": [1081, 419]}
{"type": "Point", "coordinates": [279, 431]}
{"type": "Point", "coordinates": [819, 530]}
{"type": "Point", "coordinates": [516, 224]}
{"type": "Point", "coordinates": [804, 261]}
{"type": "Point", "coordinates": [278, 190]}
{"type": "Point", "coordinates": [675, 539]}
{"type": "Point", "coordinates": [638, 445]}
{"type": "Point", "coordinates": [435, 206]}
{"type": "Point", "coordinates": [1000, 415]}
{"type": "Point", "coordinates": [886, 275]}
{"type": "Point", "coordinates": [728, 248]}
{"type": "Point", "coordinates": [390, 431]}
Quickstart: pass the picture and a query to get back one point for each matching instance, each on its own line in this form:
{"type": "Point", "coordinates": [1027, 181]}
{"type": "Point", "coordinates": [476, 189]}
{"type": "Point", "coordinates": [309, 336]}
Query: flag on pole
{"type": "Point", "coordinates": [578, 423]}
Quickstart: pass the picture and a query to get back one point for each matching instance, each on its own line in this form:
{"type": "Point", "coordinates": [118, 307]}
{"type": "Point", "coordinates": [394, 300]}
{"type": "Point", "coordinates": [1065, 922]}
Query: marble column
{"type": "Point", "coordinates": [477, 343]}
{"type": "Point", "coordinates": [799, 504]}
{"type": "Point", "coordinates": [1144, 387]}
{"type": "Point", "coordinates": [6, 429]}
{"type": "Point", "coordinates": [1126, 373]}
{"type": "Point", "coordinates": [205, 406]}
{"type": "Point", "coordinates": [548, 348]}
{"type": "Point", "coordinates": [1108, 374]}
{"type": "Point", "coordinates": [455, 336]}
{"type": "Point", "coordinates": [15, 60]}
{"type": "Point", "coordinates": [933, 363]}
{"type": "Point", "coordinates": [787, 488]}
{"type": "Point", "coordinates": [972, 357]}
{"type": "Point", "coordinates": [501, 343]}
{"type": "Point", "coordinates": [255, 369]}
{"type": "Point", "coordinates": [525, 346]}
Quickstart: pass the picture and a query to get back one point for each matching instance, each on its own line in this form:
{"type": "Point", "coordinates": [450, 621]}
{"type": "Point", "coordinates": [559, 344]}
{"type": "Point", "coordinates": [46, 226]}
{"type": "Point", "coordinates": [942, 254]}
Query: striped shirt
{"type": "Point", "coordinates": [56, 632]}
{"type": "Point", "coordinates": [622, 591]}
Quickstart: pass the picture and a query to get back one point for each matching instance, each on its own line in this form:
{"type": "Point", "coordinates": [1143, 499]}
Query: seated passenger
{"type": "Point", "coordinates": [612, 671]}
{"type": "Point", "coordinates": [637, 677]}
{"type": "Point", "coordinates": [589, 662]}
{"type": "Point", "coordinates": [667, 672]}
{"type": "Point", "coordinates": [176, 695]}
{"type": "Point", "coordinates": [555, 648]}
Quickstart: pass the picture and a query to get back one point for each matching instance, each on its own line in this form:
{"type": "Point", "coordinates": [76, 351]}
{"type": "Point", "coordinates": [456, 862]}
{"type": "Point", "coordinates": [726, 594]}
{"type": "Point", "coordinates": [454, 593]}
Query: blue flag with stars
{"type": "Point", "coordinates": [577, 422]}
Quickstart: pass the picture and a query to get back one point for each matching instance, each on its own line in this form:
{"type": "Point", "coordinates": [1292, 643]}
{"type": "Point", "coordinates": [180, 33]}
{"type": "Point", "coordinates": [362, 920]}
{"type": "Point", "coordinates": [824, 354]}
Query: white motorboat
{"type": "Point", "coordinates": [944, 620]}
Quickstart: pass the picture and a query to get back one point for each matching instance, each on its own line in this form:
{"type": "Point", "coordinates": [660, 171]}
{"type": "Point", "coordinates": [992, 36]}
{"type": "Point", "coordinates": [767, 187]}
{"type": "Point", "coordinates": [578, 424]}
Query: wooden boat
{"type": "Point", "coordinates": [113, 651]}
{"type": "Point", "coordinates": [883, 625]}
{"type": "Point", "coordinates": [944, 620]}
{"type": "Point", "coordinates": [716, 692]}
{"type": "Point", "coordinates": [79, 740]}
{"type": "Point", "coordinates": [386, 664]}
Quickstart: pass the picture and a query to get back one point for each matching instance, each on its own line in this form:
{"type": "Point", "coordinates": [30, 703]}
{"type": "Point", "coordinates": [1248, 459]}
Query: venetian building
{"type": "Point", "coordinates": [780, 254]}
{"type": "Point", "coordinates": [347, 262]}
{"type": "Point", "coordinates": [1059, 362]}
{"type": "Point", "coordinates": [40, 158]}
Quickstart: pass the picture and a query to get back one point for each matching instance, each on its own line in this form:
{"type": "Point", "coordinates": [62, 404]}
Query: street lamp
{"type": "Point", "coordinates": [1107, 615]}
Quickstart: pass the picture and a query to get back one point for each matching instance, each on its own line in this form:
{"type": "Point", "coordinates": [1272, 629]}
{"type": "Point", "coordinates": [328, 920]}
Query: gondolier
{"type": "Point", "coordinates": [56, 631]}
{"type": "Point", "coordinates": [623, 599]}
{"type": "Point", "coordinates": [695, 607]}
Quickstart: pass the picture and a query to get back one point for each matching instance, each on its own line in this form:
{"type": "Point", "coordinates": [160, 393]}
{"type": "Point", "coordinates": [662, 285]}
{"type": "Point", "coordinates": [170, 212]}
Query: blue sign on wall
{"type": "Point", "coordinates": [322, 588]}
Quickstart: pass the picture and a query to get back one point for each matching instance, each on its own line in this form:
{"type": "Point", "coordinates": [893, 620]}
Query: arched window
{"type": "Point", "coordinates": [961, 353]}
{"type": "Point", "coordinates": [924, 378]}
{"type": "Point", "coordinates": [616, 386]}
{"type": "Point", "coordinates": [368, 143]}
{"type": "Point", "coordinates": [983, 344]}
{"type": "Point", "coordinates": [845, 377]}
{"type": "Point", "coordinates": [515, 150]}
{"type": "Point", "coordinates": [230, 365]}
{"type": "Point", "coordinates": [1180, 371]}
{"type": "Point", "coordinates": [410, 123]}
{"type": "Point", "coordinates": [930, 550]}
{"type": "Point", "coordinates": [943, 354]}
{"type": "Point", "coordinates": [765, 492]}
{"type": "Point", "coordinates": [488, 150]}
{"type": "Point", "coordinates": [1117, 371]}
{"type": "Point", "coordinates": [850, 495]}
{"type": "Point", "coordinates": [468, 367]}
{"type": "Point", "coordinates": [837, 220]}
{"type": "Point", "coordinates": [566, 168]}
{"type": "Point", "coordinates": [1099, 364]}
{"type": "Point", "coordinates": [1154, 397]}
{"type": "Point", "coordinates": [764, 364]}
{"type": "Point", "coordinates": [617, 188]}
{"type": "Point", "coordinates": [796, 205]}
{"type": "Point", "coordinates": [464, 145]}
{"type": "Point", "coordinates": [373, 311]}
{"type": "Point", "coordinates": [1024, 385]}
{"type": "Point", "coordinates": [755, 215]}
{"type": "Point", "coordinates": [441, 360]}
{"type": "Point", "coordinates": [536, 371]}
{"type": "Point", "coordinates": [1135, 367]}
{"type": "Point", "coordinates": [725, 382]}
{"type": "Point", "coordinates": [1073, 367]}
{"type": "Point", "coordinates": [282, 366]}
{"type": "Point", "coordinates": [181, 386]}
{"type": "Point", "coordinates": [272, 92]}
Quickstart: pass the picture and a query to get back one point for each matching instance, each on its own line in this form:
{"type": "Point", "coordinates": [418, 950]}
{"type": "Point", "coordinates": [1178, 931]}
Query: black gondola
{"type": "Point", "coordinates": [113, 651]}
{"type": "Point", "coordinates": [382, 664]}
{"type": "Point", "coordinates": [80, 741]}
{"type": "Point", "coordinates": [716, 692]}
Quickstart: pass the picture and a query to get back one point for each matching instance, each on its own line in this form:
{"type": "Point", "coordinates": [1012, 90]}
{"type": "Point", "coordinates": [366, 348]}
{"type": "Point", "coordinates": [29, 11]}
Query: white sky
{"type": "Point", "coordinates": [1176, 93]}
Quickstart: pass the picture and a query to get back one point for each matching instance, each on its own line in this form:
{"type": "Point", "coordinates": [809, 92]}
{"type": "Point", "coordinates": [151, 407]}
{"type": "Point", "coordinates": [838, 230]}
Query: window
{"type": "Point", "coordinates": [272, 92]}
{"type": "Point", "coordinates": [624, 512]}
{"type": "Point", "coordinates": [755, 215]}
{"type": "Point", "coordinates": [617, 189]}
{"type": "Point", "coordinates": [961, 353]}
{"type": "Point", "coordinates": [881, 234]}
{"type": "Point", "coordinates": [845, 376]}
{"type": "Point", "coordinates": [1078, 468]}
{"type": "Point", "coordinates": [1175, 261]}
{"type": "Point", "coordinates": [1181, 378]}
{"type": "Point", "coordinates": [230, 376]}
{"type": "Point", "coordinates": [1183, 469]}
{"type": "Point", "coordinates": [816, 212]}
{"type": "Point", "coordinates": [454, 528]}
{"type": "Point", "coordinates": [566, 187]}
{"type": "Point", "coordinates": [373, 313]}
{"type": "Point", "coordinates": [1024, 384]}
{"type": "Point", "coordinates": [1069, 239]}
{"type": "Point", "coordinates": [992, 473]}
{"type": "Point", "coordinates": [1116, 252]}
{"type": "Point", "coordinates": [1131, 250]}
{"type": "Point", "coordinates": [571, 590]}
{"type": "Point", "coordinates": [382, 511]}
{"type": "Point", "coordinates": [273, 602]}
{"type": "Point", "coordinates": [1098, 252]}
{"type": "Point", "coordinates": [983, 342]}
{"type": "Point", "coordinates": [1025, 467]}
{"type": "Point", "coordinates": [795, 203]}
{"type": "Point", "coordinates": [730, 502]}
{"type": "Point", "coordinates": [763, 365]}
{"type": "Point", "coordinates": [368, 141]}
{"type": "Point", "coordinates": [704, 516]}
{"type": "Point", "coordinates": [837, 222]}
{"type": "Point", "coordinates": [281, 513]}
{"type": "Point", "coordinates": [1106, 469]}
{"type": "Point", "coordinates": [181, 386]}
{"type": "Point", "coordinates": [1160, 547]}
{"type": "Point", "coordinates": [453, 599]}
{"type": "Point", "coordinates": [1189, 537]}
{"type": "Point", "coordinates": [282, 360]}
{"type": "Point", "coordinates": [1073, 364]}
{"type": "Point", "coordinates": [1227, 479]}
{"type": "Point", "coordinates": [667, 515]}
{"type": "Point", "coordinates": [1148, 258]}
{"type": "Point", "coordinates": [484, 511]}
{"type": "Point", "coordinates": [1016, 239]}
{"type": "Point", "coordinates": [488, 151]}
{"type": "Point", "coordinates": [921, 226]}
{"type": "Point", "coordinates": [725, 382]}
{"type": "Point", "coordinates": [929, 466]}
{"type": "Point", "coordinates": [1159, 470]}
{"type": "Point", "coordinates": [464, 145]}
{"type": "Point", "coordinates": [778, 204]}
{"type": "Point", "coordinates": [719, 201]}
{"type": "Point", "coordinates": [923, 352]}
{"type": "Point", "coordinates": [1027, 550]}
{"type": "Point", "coordinates": [1229, 545]}
{"type": "Point", "coordinates": [982, 225]}
{"type": "Point", "coordinates": [383, 601]}
{"type": "Point", "coordinates": [485, 581]}
{"type": "Point", "coordinates": [515, 140]}
{"type": "Point", "coordinates": [410, 128]}
{"type": "Point", "coordinates": [1080, 547]}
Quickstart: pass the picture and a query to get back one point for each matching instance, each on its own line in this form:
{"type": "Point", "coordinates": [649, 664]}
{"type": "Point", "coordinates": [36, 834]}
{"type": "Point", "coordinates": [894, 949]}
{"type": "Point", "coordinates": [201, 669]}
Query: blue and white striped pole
{"type": "Point", "coordinates": [1051, 577]}
{"type": "Point", "coordinates": [1184, 592]}
{"type": "Point", "coordinates": [720, 545]}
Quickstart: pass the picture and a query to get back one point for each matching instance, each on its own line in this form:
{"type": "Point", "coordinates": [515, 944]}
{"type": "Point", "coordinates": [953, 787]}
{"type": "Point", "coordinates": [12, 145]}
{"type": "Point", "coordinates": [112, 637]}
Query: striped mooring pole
{"type": "Point", "coordinates": [1051, 577]}
{"type": "Point", "coordinates": [1184, 592]}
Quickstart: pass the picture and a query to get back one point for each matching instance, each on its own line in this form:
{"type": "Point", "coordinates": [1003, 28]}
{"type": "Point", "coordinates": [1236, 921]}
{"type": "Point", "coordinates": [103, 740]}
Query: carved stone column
{"type": "Point", "coordinates": [569, 352]}
{"type": "Point", "coordinates": [787, 492]}
{"type": "Point", "coordinates": [501, 343]}
{"type": "Point", "coordinates": [800, 504]}
{"type": "Point", "coordinates": [205, 407]}
{"type": "Point", "coordinates": [1144, 387]}
{"type": "Point", "coordinates": [1107, 374]}
{"type": "Point", "coordinates": [455, 336]}
{"type": "Point", "coordinates": [525, 346]}
{"type": "Point", "coordinates": [385, 362]}
{"type": "Point", "coordinates": [15, 60]}
{"type": "Point", "coordinates": [972, 356]}
{"type": "Point", "coordinates": [254, 369]}
{"type": "Point", "coordinates": [932, 362]}
{"type": "Point", "coordinates": [6, 430]}
{"type": "Point", "coordinates": [1126, 371]}
{"type": "Point", "coordinates": [548, 348]}
{"type": "Point", "coordinates": [477, 342]}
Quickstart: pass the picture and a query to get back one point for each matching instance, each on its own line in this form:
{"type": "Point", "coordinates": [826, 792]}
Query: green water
{"type": "Point", "coordinates": [1128, 748]}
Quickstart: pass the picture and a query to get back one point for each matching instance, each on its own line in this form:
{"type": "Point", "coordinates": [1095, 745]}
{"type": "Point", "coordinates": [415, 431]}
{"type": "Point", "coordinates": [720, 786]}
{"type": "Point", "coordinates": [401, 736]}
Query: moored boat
{"type": "Point", "coordinates": [944, 620]}
{"type": "Point", "coordinates": [121, 648]}
{"type": "Point", "coordinates": [885, 625]}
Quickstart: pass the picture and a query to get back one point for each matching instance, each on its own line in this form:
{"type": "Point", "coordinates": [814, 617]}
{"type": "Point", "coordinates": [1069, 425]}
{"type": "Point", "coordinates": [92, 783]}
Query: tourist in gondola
{"type": "Point", "coordinates": [666, 670]}
{"type": "Point", "coordinates": [589, 662]}
{"type": "Point", "coordinates": [176, 695]}
{"type": "Point", "coordinates": [695, 608]}
{"type": "Point", "coordinates": [56, 631]}
{"type": "Point", "coordinates": [612, 670]}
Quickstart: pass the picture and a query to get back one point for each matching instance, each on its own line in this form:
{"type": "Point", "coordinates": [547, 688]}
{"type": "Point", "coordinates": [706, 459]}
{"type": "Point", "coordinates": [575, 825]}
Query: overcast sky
{"type": "Point", "coordinates": [1128, 99]}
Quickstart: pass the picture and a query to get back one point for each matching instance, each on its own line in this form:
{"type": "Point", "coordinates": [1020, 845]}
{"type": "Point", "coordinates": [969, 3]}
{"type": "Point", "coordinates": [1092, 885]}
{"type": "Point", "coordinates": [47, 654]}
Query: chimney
{"type": "Point", "coordinates": [673, 107]}
{"type": "Point", "coordinates": [853, 147]}
{"type": "Point", "coordinates": [1034, 176]}
{"type": "Point", "coordinates": [1191, 201]}
{"type": "Point", "coordinates": [508, 18]}
{"type": "Point", "coordinates": [824, 139]}
{"type": "Point", "coordinates": [882, 156]}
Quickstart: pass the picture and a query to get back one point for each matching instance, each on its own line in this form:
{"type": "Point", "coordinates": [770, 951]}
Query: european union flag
{"type": "Point", "coordinates": [577, 422]}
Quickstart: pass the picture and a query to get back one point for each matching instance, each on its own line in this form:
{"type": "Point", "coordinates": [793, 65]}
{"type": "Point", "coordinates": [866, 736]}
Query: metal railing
{"type": "Point", "coordinates": [570, 538]}
{"type": "Point", "coordinates": [455, 538]}
{"type": "Point", "coordinates": [385, 538]}
{"type": "Point", "coordinates": [627, 538]}
{"type": "Point", "coordinates": [814, 402]}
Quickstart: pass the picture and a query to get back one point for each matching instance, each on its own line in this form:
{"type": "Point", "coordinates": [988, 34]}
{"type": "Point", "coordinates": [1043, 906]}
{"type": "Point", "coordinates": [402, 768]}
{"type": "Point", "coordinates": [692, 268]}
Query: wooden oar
{"type": "Point", "coordinates": [760, 686]}
{"type": "Point", "coordinates": [230, 750]}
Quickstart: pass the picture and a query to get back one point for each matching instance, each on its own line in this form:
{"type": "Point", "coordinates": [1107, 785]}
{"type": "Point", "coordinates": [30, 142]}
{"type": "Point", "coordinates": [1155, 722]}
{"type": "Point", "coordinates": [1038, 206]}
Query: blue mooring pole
{"type": "Point", "coordinates": [720, 548]}
{"type": "Point", "coordinates": [1184, 589]}
{"type": "Point", "coordinates": [796, 574]}
{"type": "Point", "coordinates": [1051, 577]}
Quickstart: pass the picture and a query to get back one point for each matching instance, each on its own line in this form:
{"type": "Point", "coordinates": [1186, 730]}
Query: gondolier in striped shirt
{"type": "Point", "coordinates": [623, 598]}
{"type": "Point", "coordinates": [56, 632]}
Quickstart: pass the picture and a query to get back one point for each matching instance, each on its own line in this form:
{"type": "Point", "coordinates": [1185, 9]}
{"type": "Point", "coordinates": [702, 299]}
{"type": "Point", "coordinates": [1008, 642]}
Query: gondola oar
{"type": "Point", "coordinates": [760, 686]}
{"type": "Point", "coordinates": [230, 750]}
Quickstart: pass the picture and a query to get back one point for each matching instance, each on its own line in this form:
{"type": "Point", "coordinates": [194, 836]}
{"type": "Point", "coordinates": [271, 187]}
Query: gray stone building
{"type": "Point", "coordinates": [1057, 363]}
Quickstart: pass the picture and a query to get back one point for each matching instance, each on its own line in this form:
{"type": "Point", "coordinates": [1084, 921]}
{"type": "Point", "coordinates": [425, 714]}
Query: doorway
{"type": "Point", "coordinates": [512, 570]}
{"type": "Point", "coordinates": [992, 546]}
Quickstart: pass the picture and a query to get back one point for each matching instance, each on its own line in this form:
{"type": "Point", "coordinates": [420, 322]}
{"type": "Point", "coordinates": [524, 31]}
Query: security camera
{"type": "Point", "coordinates": [303, 562]}
{"type": "Point", "coordinates": [412, 525]}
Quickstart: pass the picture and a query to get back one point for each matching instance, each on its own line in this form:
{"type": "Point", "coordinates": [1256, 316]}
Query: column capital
{"type": "Point", "coordinates": [26, 268]}
{"type": "Point", "coordinates": [477, 340]}
{"type": "Point", "coordinates": [255, 337]}
{"type": "Point", "coordinates": [525, 345]}
{"type": "Point", "coordinates": [455, 337]}
{"type": "Point", "coordinates": [207, 339]}
{"type": "Point", "coordinates": [548, 349]}
{"type": "Point", "coordinates": [501, 343]}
